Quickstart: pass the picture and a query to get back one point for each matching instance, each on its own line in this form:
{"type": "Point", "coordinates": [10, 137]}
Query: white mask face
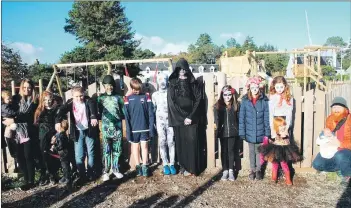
{"type": "Point", "coordinates": [279, 88]}
{"type": "Point", "coordinates": [227, 95]}
{"type": "Point", "coordinates": [162, 82]}
{"type": "Point", "coordinates": [254, 89]}
{"type": "Point", "coordinates": [181, 72]}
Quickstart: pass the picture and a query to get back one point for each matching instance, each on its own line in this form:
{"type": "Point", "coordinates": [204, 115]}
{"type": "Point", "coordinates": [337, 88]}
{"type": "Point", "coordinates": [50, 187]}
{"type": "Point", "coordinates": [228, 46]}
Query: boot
{"type": "Point", "coordinates": [275, 172]}
{"type": "Point", "coordinates": [288, 178]}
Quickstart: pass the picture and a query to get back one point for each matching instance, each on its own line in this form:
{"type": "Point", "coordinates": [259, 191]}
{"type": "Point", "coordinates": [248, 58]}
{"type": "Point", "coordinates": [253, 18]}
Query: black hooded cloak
{"type": "Point", "coordinates": [184, 98]}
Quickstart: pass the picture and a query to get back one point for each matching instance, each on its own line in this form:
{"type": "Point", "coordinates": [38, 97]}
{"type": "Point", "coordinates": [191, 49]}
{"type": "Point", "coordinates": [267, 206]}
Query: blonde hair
{"type": "Point", "coordinates": [277, 122]}
{"type": "Point", "coordinates": [77, 88]}
{"type": "Point", "coordinates": [136, 84]}
{"type": "Point", "coordinates": [30, 82]}
{"type": "Point", "coordinates": [5, 94]}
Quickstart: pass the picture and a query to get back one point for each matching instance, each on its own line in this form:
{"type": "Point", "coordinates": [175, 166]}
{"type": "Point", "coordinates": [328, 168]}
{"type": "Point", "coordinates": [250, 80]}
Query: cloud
{"type": "Point", "coordinates": [27, 51]}
{"type": "Point", "coordinates": [238, 36]}
{"type": "Point", "coordinates": [158, 45]}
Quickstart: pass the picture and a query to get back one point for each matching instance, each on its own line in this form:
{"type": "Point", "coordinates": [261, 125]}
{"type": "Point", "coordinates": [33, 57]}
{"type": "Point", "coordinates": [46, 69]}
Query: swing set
{"type": "Point", "coordinates": [59, 67]}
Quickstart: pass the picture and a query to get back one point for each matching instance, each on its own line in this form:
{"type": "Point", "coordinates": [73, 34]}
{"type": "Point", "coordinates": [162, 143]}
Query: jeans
{"type": "Point", "coordinates": [79, 147]}
{"type": "Point", "coordinates": [254, 155]}
{"type": "Point", "coordinates": [340, 162]}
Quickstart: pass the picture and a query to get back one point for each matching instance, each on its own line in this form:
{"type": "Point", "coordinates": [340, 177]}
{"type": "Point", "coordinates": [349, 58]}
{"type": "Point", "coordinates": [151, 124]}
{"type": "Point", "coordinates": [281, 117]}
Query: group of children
{"type": "Point", "coordinates": [261, 121]}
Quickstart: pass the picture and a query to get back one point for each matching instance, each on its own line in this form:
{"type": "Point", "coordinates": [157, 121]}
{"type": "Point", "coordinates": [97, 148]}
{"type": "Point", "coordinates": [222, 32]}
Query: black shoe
{"type": "Point", "coordinates": [63, 180]}
{"type": "Point", "coordinates": [252, 175]}
{"type": "Point", "coordinates": [43, 181]}
{"type": "Point", "coordinates": [258, 175]}
{"type": "Point", "coordinates": [27, 186]}
{"type": "Point", "coordinates": [79, 181]}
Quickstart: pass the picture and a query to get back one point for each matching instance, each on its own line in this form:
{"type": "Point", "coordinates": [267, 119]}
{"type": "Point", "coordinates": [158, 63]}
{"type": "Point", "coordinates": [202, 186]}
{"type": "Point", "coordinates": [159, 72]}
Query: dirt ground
{"type": "Point", "coordinates": [309, 190]}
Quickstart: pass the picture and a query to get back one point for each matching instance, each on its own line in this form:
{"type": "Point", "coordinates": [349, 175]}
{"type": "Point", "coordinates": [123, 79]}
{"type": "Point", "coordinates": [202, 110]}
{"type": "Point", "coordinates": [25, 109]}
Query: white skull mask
{"type": "Point", "coordinates": [279, 88]}
{"type": "Point", "coordinates": [181, 72]}
{"type": "Point", "coordinates": [227, 95]}
{"type": "Point", "coordinates": [162, 80]}
{"type": "Point", "coordinates": [254, 88]}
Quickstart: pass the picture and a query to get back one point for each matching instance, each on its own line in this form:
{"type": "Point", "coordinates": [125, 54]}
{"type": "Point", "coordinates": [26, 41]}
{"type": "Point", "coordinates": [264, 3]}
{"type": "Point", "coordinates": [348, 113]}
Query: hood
{"type": "Point", "coordinates": [182, 64]}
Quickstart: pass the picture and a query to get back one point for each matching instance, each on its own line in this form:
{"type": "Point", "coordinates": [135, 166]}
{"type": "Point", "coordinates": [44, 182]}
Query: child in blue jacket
{"type": "Point", "coordinates": [139, 116]}
{"type": "Point", "coordinates": [254, 124]}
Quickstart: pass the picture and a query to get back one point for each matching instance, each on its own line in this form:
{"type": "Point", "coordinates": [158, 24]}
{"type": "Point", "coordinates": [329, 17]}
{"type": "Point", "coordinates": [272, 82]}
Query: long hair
{"type": "Point", "coordinates": [21, 93]}
{"type": "Point", "coordinates": [286, 94]}
{"type": "Point", "coordinates": [277, 122]}
{"type": "Point", "coordinates": [41, 105]}
{"type": "Point", "coordinates": [233, 101]}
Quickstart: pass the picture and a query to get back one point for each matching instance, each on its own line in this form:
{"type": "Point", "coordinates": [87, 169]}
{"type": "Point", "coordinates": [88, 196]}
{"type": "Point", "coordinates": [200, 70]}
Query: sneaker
{"type": "Point", "coordinates": [186, 173]}
{"type": "Point", "coordinates": [145, 170]}
{"type": "Point", "coordinates": [117, 174]}
{"type": "Point", "coordinates": [27, 186]}
{"type": "Point", "coordinates": [258, 175]}
{"type": "Point", "coordinates": [252, 175]}
{"type": "Point", "coordinates": [231, 175]}
{"type": "Point", "coordinates": [105, 177]}
{"type": "Point", "coordinates": [138, 170]}
{"type": "Point", "coordinates": [225, 175]}
{"type": "Point", "coordinates": [173, 170]}
{"type": "Point", "coordinates": [166, 170]}
{"type": "Point", "coordinates": [43, 180]}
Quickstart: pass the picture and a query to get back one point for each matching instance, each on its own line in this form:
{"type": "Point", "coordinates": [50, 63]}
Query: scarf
{"type": "Point", "coordinates": [79, 112]}
{"type": "Point", "coordinates": [22, 128]}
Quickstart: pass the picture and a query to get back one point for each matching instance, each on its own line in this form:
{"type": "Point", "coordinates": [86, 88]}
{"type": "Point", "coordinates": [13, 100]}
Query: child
{"type": "Point", "coordinates": [8, 111]}
{"type": "Point", "coordinates": [45, 117]}
{"type": "Point", "coordinates": [254, 123]}
{"type": "Point", "coordinates": [110, 106]}
{"type": "Point", "coordinates": [280, 150]}
{"type": "Point", "coordinates": [83, 130]}
{"type": "Point", "coordinates": [280, 102]}
{"type": "Point", "coordinates": [164, 131]}
{"type": "Point", "coordinates": [60, 145]}
{"type": "Point", "coordinates": [226, 119]}
{"type": "Point", "coordinates": [139, 116]}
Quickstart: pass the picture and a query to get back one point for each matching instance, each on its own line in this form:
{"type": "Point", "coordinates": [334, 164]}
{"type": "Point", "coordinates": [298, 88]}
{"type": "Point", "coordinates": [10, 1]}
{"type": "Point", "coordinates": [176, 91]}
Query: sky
{"type": "Point", "coordinates": [35, 29]}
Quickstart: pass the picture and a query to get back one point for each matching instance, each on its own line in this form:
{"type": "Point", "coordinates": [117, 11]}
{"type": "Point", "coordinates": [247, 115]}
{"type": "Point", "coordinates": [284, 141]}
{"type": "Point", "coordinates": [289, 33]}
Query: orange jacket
{"type": "Point", "coordinates": [345, 142]}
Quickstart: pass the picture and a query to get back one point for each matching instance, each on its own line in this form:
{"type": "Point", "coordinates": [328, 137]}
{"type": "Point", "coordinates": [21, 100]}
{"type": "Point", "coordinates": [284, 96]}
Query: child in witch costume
{"type": "Point", "coordinates": [226, 119]}
{"type": "Point", "coordinates": [164, 131]}
{"type": "Point", "coordinates": [140, 119]}
{"type": "Point", "coordinates": [254, 124]}
{"type": "Point", "coordinates": [280, 150]}
{"type": "Point", "coordinates": [110, 106]}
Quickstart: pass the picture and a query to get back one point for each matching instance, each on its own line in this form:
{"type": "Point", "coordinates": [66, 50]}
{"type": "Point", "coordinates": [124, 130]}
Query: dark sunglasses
{"type": "Point", "coordinates": [227, 94]}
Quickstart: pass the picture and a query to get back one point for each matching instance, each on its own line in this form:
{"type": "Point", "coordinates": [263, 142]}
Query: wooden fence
{"type": "Point", "coordinates": [309, 115]}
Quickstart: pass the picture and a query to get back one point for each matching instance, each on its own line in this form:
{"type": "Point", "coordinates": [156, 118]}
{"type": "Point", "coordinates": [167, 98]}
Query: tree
{"type": "Point", "coordinates": [232, 43]}
{"type": "Point", "coordinates": [102, 23]}
{"type": "Point", "coordinates": [328, 71]}
{"type": "Point", "coordinates": [40, 71]}
{"type": "Point", "coordinates": [143, 54]}
{"type": "Point", "coordinates": [203, 40]}
{"type": "Point", "coordinates": [12, 66]}
{"type": "Point", "coordinates": [335, 41]}
{"type": "Point", "coordinates": [267, 47]}
{"type": "Point", "coordinates": [249, 44]}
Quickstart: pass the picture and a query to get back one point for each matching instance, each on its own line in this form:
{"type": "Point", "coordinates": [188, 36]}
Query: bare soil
{"type": "Point", "coordinates": [206, 190]}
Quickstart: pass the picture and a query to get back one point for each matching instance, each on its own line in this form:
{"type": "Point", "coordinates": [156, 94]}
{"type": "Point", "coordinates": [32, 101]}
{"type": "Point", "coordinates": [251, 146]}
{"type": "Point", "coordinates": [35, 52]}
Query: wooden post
{"type": "Point", "coordinates": [319, 118]}
{"type": "Point", "coordinates": [308, 129]}
{"type": "Point", "coordinates": [170, 67]}
{"type": "Point", "coordinates": [254, 64]}
{"type": "Point", "coordinates": [51, 79]}
{"type": "Point", "coordinates": [297, 93]}
{"type": "Point", "coordinates": [295, 63]}
{"type": "Point", "coordinates": [40, 87]}
{"type": "Point", "coordinates": [211, 160]}
{"type": "Point", "coordinates": [305, 74]}
{"type": "Point", "coordinates": [59, 86]}
{"type": "Point", "coordinates": [109, 68]}
{"type": "Point", "coordinates": [13, 89]}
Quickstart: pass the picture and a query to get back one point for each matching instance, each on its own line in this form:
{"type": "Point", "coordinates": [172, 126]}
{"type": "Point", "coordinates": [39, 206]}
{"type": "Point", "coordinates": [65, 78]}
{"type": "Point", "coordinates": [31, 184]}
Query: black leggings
{"type": "Point", "coordinates": [51, 164]}
{"type": "Point", "coordinates": [26, 161]}
{"type": "Point", "coordinates": [229, 152]}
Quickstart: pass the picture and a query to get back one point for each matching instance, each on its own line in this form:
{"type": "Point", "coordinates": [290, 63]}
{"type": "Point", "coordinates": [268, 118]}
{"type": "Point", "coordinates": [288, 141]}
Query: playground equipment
{"type": "Point", "coordinates": [247, 65]}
